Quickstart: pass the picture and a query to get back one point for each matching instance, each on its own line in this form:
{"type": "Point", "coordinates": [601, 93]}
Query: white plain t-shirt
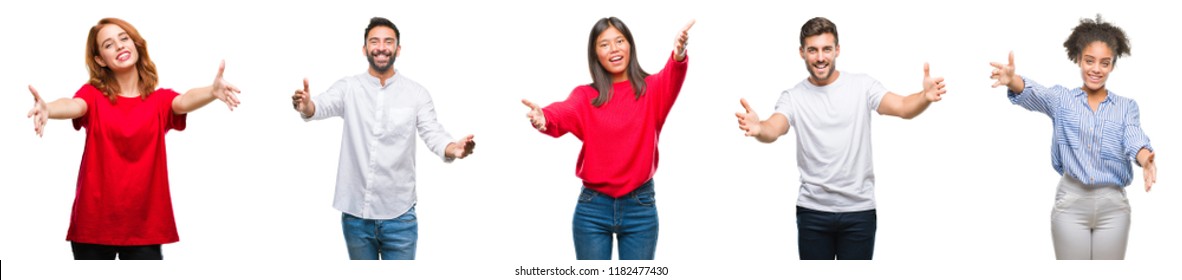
{"type": "Point", "coordinates": [833, 152]}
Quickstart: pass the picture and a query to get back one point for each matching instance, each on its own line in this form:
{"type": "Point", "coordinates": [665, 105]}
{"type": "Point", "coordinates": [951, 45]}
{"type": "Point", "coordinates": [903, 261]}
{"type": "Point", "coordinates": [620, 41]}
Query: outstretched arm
{"type": "Point", "coordinates": [61, 109]}
{"type": "Point", "coordinates": [766, 131]}
{"type": "Point", "coordinates": [199, 97]}
{"type": "Point", "coordinates": [912, 105]}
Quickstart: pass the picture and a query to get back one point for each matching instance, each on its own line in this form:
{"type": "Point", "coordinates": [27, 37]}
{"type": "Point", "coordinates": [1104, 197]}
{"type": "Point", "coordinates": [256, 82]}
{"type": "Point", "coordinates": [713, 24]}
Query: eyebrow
{"type": "Point", "coordinates": [121, 34]}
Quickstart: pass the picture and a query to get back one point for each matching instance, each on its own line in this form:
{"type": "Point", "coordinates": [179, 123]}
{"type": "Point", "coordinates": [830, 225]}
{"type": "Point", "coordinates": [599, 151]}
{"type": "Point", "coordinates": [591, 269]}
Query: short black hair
{"type": "Point", "coordinates": [818, 26]}
{"type": "Point", "coordinates": [1096, 30]}
{"type": "Point", "coordinates": [381, 21]}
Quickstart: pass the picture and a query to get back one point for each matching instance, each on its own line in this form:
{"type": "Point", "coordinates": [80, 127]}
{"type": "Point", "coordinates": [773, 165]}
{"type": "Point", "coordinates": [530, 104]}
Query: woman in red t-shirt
{"type": "Point", "coordinates": [122, 205]}
{"type": "Point", "coordinates": [618, 117]}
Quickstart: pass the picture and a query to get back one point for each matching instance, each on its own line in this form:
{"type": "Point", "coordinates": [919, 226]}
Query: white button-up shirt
{"type": "Point", "coordinates": [376, 173]}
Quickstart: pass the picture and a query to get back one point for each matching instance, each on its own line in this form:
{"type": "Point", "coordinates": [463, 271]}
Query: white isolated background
{"type": "Point", "coordinates": [963, 190]}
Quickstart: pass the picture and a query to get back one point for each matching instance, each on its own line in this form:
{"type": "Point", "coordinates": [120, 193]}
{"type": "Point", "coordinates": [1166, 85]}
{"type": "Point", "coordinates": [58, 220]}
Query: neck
{"type": "Point", "coordinates": [821, 83]}
{"type": "Point", "coordinates": [620, 77]}
{"type": "Point", "coordinates": [1097, 94]}
{"type": "Point", "coordinates": [129, 83]}
{"type": "Point", "coordinates": [382, 76]}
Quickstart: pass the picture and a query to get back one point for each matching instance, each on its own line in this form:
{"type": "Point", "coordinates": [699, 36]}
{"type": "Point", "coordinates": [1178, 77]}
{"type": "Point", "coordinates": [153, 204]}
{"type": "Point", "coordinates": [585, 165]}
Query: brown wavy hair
{"type": "Point", "coordinates": [103, 78]}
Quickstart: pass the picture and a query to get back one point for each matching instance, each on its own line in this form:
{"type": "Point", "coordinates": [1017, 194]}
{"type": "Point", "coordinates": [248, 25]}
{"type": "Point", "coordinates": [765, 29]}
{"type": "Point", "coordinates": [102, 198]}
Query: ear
{"type": "Point", "coordinates": [99, 60]}
{"type": "Point", "coordinates": [397, 50]}
{"type": "Point", "coordinates": [802, 52]}
{"type": "Point", "coordinates": [836, 51]}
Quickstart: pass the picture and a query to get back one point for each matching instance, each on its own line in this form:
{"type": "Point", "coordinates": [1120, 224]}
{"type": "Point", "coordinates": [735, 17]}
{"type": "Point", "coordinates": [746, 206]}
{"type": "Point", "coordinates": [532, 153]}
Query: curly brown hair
{"type": "Point", "coordinates": [1093, 30]}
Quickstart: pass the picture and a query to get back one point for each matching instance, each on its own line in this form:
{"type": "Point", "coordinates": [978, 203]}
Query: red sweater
{"type": "Point", "coordinates": [122, 195]}
{"type": "Point", "coordinates": [619, 137]}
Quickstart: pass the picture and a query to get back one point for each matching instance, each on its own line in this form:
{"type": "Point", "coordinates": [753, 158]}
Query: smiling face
{"type": "Point", "coordinates": [820, 57]}
{"type": "Point", "coordinates": [381, 48]}
{"type": "Point", "coordinates": [614, 53]}
{"type": "Point", "coordinates": [1095, 63]}
{"type": "Point", "coordinates": [116, 49]}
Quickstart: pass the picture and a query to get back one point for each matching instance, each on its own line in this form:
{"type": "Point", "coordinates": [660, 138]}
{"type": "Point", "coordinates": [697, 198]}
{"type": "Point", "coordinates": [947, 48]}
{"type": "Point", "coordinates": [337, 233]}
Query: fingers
{"type": "Point", "coordinates": [688, 25]}
{"type": "Point", "coordinates": [1011, 58]}
{"type": "Point", "coordinates": [221, 68]}
{"type": "Point", "coordinates": [531, 105]}
{"type": "Point", "coordinates": [926, 70]}
{"type": "Point", "coordinates": [306, 86]}
{"type": "Point", "coordinates": [745, 105]}
{"type": "Point", "coordinates": [36, 96]}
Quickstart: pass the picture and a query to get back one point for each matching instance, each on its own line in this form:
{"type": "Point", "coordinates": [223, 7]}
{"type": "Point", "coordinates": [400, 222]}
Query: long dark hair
{"type": "Point", "coordinates": [602, 80]}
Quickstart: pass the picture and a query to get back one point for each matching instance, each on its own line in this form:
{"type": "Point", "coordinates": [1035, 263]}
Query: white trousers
{"type": "Point", "coordinates": [1090, 222]}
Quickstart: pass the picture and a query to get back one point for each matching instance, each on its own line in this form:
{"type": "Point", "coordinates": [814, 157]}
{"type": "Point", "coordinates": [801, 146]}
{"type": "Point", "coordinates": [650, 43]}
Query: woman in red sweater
{"type": "Point", "coordinates": [618, 117]}
{"type": "Point", "coordinates": [121, 205]}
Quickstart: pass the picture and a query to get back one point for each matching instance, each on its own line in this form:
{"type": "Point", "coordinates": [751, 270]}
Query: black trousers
{"type": "Point", "coordinates": [85, 251]}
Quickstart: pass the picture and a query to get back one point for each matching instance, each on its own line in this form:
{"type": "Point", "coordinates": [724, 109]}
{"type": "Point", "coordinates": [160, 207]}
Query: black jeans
{"type": "Point", "coordinates": [827, 235]}
{"type": "Point", "coordinates": [85, 251]}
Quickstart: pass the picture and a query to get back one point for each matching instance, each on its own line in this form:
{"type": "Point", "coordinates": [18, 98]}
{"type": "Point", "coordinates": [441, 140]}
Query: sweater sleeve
{"type": "Point", "coordinates": [565, 116]}
{"type": "Point", "coordinates": [668, 82]}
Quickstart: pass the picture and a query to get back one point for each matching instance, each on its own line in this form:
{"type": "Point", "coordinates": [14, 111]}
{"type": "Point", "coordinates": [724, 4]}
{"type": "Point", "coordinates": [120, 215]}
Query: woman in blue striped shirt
{"type": "Point", "coordinates": [1096, 135]}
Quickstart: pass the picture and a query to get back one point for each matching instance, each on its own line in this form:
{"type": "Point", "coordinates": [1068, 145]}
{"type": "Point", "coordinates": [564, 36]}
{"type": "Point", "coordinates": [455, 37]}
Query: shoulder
{"type": "Point", "coordinates": [859, 78]}
{"type": "Point", "coordinates": [1123, 102]}
{"type": "Point", "coordinates": [165, 92]}
{"type": "Point", "coordinates": [409, 84]}
{"type": "Point", "coordinates": [586, 90]}
{"type": "Point", "coordinates": [88, 90]}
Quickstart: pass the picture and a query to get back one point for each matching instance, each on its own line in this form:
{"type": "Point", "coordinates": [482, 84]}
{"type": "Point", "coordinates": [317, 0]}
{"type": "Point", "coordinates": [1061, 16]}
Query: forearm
{"type": "Point", "coordinates": [193, 99]}
{"type": "Point", "coordinates": [913, 105]}
{"type": "Point", "coordinates": [771, 130]}
{"type": "Point", "coordinates": [66, 108]}
{"type": "Point", "coordinates": [1017, 85]}
{"type": "Point", "coordinates": [307, 110]}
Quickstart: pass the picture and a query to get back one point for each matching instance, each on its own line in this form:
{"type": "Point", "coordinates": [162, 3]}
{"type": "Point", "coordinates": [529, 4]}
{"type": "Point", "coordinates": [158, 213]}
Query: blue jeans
{"type": "Point", "coordinates": [843, 236]}
{"type": "Point", "coordinates": [632, 218]}
{"type": "Point", "coordinates": [392, 239]}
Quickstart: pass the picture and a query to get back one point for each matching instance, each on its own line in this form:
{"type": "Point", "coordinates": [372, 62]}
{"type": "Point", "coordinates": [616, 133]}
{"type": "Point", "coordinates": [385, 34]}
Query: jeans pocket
{"type": "Point", "coordinates": [586, 195]}
{"type": "Point", "coordinates": [646, 198]}
{"type": "Point", "coordinates": [409, 216]}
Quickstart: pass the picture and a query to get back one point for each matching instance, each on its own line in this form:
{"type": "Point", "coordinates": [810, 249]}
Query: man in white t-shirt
{"type": "Point", "coordinates": [835, 211]}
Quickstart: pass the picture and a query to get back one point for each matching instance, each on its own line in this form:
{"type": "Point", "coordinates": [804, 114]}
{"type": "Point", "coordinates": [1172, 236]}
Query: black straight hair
{"type": "Point", "coordinates": [600, 79]}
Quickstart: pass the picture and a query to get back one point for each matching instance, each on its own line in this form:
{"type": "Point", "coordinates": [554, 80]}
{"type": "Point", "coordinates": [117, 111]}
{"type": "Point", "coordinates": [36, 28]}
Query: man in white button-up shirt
{"type": "Point", "coordinates": [382, 109]}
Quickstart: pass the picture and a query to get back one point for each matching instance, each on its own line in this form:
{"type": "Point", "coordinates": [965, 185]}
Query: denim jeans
{"type": "Point", "coordinates": [392, 239]}
{"type": "Point", "coordinates": [843, 236]}
{"type": "Point", "coordinates": [632, 218]}
{"type": "Point", "coordinates": [87, 251]}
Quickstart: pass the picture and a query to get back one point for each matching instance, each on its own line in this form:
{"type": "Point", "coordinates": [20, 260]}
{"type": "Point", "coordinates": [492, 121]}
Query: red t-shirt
{"type": "Point", "coordinates": [122, 196]}
{"type": "Point", "coordinates": [620, 136]}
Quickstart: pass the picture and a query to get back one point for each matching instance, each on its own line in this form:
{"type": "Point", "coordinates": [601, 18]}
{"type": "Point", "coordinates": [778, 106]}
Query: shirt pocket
{"type": "Point", "coordinates": [1112, 140]}
{"type": "Point", "coordinates": [399, 124]}
{"type": "Point", "coordinates": [1070, 134]}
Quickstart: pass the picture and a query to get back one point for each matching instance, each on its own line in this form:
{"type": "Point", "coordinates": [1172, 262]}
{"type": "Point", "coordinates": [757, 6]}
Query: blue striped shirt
{"type": "Point", "coordinates": [1093, 147]}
